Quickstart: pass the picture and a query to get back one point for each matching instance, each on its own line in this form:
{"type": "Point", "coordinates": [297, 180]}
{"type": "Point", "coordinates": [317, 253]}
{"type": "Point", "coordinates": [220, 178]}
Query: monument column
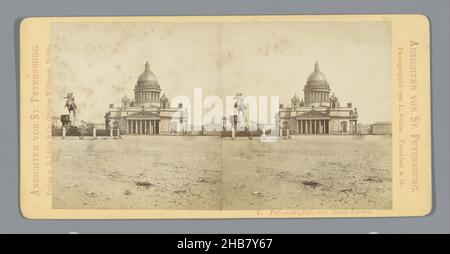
{"type": "Point", "coordinates": [305, 126]}
{"type": "Point", "coordinates": [145, 127]}
{"type": "Point", "coordinates": [320, 126]}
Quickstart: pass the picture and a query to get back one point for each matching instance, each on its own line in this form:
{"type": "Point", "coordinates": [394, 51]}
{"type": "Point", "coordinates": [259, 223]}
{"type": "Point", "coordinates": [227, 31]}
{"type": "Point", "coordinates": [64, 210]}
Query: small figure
{"type": "Point", "coordinates": [248, 132]}
{"type": "Point", "coordinates": [82, 129]}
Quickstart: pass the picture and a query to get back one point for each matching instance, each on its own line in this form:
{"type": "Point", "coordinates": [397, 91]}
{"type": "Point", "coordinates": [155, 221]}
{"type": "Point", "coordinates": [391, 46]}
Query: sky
{"type": "Point", "coordinates": [100, 62]}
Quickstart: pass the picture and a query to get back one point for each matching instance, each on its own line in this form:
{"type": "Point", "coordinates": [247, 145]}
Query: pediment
{"type": "Point", "coordinates": [143, 114]}
{"type": "Point", "coordinates": [313, 113]}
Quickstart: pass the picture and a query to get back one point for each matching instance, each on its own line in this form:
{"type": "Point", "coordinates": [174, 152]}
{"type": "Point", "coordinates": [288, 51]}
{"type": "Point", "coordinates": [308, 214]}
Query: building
{"type": "Point", "coordinates": [56, 122]}
{"type": "Point", "coordinates": [148, 113]}
{"type": "Point", "coordinates": [381, 128]}
{"type": "Point", "coordinates": [363, 129]}
{"type": "Point", "coordinates": [318, 112]}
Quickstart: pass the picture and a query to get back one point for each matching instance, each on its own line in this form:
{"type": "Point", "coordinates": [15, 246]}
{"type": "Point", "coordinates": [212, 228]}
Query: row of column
{"type": "Point", "coordinates": [317, 96]}
{"type": "Point", "coordinates": [147, 96]}
{"type": "Point", "coordinates": [143, 127]}
{"type": "Point", "coordinates": [313, 126]}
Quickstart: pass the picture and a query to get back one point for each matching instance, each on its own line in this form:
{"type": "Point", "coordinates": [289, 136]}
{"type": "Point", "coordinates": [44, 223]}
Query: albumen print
{"type": "Point", "coordinates": [222, 116]}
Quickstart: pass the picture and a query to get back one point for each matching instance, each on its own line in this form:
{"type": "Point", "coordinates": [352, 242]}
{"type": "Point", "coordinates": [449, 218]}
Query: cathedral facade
{"type": "Point", "coordinates": [318, 112]}
{"type": "Point", "coordinates": [149, 113]}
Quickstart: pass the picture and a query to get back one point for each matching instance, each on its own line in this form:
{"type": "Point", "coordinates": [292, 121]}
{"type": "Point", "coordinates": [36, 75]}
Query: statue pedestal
{"type": "Point", "coordinates": [73, 120]}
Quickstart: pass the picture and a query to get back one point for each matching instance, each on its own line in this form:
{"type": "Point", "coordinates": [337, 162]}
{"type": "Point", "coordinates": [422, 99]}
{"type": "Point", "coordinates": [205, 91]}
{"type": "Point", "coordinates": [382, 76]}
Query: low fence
{"type": "Point", "coordinates": [243, 133]}
{"type": "Point", "coordinates": [91, 132]}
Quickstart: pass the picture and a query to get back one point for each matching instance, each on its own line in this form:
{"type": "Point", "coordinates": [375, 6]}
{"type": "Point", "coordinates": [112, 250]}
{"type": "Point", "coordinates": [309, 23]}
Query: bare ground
{"type": "Point", "coordinates": [162, 172]}
{"type": "Point", "coordinates": [321, 172]}
{"type": "Point", "coordinates": [137, 173]}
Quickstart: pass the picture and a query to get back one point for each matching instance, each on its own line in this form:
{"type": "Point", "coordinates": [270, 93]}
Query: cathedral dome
{"type": "Point", "coordinates": [317, 89]}
{"type": "Point", "coordinates": [317, 75]}
{"type": "Point", "coordinates": [147, 78]}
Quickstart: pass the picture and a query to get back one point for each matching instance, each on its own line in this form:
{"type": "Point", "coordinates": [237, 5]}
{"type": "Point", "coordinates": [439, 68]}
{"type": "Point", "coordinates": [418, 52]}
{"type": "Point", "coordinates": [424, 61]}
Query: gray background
{"type": "Point", "coordinates": [11, 12]}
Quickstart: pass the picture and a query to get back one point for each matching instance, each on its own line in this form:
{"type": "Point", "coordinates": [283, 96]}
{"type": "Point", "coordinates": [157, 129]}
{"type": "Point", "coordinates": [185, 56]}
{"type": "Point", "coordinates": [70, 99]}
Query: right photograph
{"type": "Point", "coordinates": [333, 148]}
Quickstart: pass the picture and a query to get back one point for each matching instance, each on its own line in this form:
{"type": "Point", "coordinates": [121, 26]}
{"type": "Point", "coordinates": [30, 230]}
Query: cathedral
{"type": "Point", "coordinates": [148, 113]}
{"type": "Point", "coordinates": [318, 112]}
